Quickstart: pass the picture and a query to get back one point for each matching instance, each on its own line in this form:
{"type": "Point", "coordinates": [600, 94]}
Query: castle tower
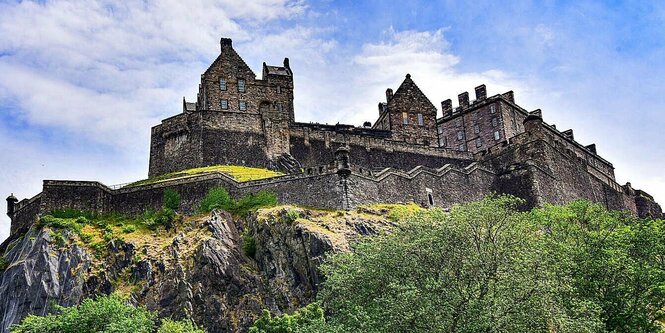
{"type": "Point", "coordinates": [11, 205]}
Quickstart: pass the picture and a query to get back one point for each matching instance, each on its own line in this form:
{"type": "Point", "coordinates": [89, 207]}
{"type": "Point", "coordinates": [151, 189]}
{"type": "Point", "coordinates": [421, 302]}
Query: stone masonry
{"type": "Point", "coordinates": [486, 145]}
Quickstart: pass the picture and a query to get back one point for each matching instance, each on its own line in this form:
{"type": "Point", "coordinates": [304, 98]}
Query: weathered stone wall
{"type": "Point", "coordinates": [81, 195]}
{"type": "Point", "coordinates": [26, 214]}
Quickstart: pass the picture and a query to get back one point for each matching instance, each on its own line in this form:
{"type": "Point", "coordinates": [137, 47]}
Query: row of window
{"type": "Point", "coordinates": [240, 85]}
{"type": "Point", "coordinates": [224, 105]}
{"type": "Point", "coordinates": [405, 119]}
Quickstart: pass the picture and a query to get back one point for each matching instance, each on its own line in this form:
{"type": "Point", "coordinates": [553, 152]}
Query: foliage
{"type": "Point", "coordinates": [72, 224]}
{"type": "Point", "coordinates": [239, 173]}
{"type": "Point", "coordinates": [171, 199]}
{"type": "Point", "coordinates": [103, 314]}
{"type": "Point", "coordinates": [219, 198]}
{"type": "Point", "coordinates": [248, 244]}
{"type": "Point", "coordinates": [182, 326]}
{"type": "Point", "coordinates": [610, 259]}
{"type": "Point", "coordinates": [3, 263]}
{"type": "Point", "coordinates": [307, 319]}
{"type": "Point", "coordinates": [216, 198]}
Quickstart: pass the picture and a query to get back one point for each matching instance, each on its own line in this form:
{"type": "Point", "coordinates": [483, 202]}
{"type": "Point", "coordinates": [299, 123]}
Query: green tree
{"type": "Point", "coordinates": [171, 199]}
{"type": "Point", "coordinates": [610, 259]}
{"type": "Point", "coordinates": [182, 326]}
{"type": "Point", "coordinates": [108, 314]}
{"type": "Point", "coordinates": [478, 269]}
{"type": "Point", "coordinates": [307, 319]}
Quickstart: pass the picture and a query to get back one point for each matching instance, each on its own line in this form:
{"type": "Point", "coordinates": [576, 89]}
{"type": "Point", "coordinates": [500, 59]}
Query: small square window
{"type": "Point", "coordinates": [494, 122]}
{"type": "Point", "coordinates": [420, 119]}
{"type": "Point", "coordinates": [222, 84]}
{"type": "Point", "coordinates": [461, 147]}
{"type": "Point", "coordinates": [242, 105]}
{"type": "Point", "coordinates": [442, 141]}
{"type": "Point", "coordinates": [476, 128]}
{"type": "Point", "coordinates": [492, 108]}
{"type": "Point", "coordinates": [241, 85]}
{"type": "Point", "coordinates": [224, 104]}
{"type": "Point", "coordinates": [405, 118]}
{"type": "Point", "coordinates": [460, 135]}
{"type": "Point", "coordinates": [279, 89]}
{"type": "Point", "coordinates": [280, 107]}
{"type": "Point", "coordinates": [479, 142]}
{"type": "Point", "coordinates": [497, 135]}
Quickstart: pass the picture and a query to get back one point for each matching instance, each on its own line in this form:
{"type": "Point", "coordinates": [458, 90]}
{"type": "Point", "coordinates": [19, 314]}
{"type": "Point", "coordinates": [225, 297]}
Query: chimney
{"type": "Point", "coordinates": [389, 95]}
{"type": "Point", "coordinates": [568, 134]}
{"type": "Point", "coordinates": [382, 108]}
{"type": "Point", "coordinates": [287, 65]}
{"type": "Point", "coordinates": [510, 96]}
{"type": "Point", "coordinates": [447, 107]}
{"type": "Point", "coordinates": [481, 92]}
{"type": "Point", "coordinates": [591, 148]}
{"type": "Point", "coordinates": [225, 42]}
{"type": "Point", "coordinates": [463, 99]}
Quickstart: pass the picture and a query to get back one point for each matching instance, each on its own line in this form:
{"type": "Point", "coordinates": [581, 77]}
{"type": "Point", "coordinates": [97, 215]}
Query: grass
{"type": "Point", "coordinates": [239, 173]}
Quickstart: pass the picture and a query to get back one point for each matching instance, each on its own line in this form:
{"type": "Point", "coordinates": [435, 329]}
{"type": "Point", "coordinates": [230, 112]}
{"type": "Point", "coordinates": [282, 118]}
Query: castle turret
{"type": "Point", "coordinates": [11, 204]}
{"type": "Point", "coordinates": [534, 121]}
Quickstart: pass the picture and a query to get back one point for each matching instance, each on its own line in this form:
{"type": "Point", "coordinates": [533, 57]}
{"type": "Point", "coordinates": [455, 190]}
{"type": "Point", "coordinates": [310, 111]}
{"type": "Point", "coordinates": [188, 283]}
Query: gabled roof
{"type": "Point", "coordinates": [228, 53]}
{"type": "Point", "coordinates": [277, 70]}
{"type": "Point", "coordinates": [409, 85]}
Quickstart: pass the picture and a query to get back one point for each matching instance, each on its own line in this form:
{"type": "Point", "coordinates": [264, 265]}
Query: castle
{"type": "Point", "coordinates": [486, 145]}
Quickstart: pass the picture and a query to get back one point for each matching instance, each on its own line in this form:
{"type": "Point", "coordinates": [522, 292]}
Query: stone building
{"type": "Point", "coordinates": [488, 145]}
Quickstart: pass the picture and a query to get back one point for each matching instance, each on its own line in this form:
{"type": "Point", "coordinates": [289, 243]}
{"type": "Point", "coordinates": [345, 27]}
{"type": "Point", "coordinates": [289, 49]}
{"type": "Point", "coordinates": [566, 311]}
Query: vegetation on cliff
{"type": "Point", "coordinates": [486, 267]}
{"type": "Point", "coordinates": [105, 314]}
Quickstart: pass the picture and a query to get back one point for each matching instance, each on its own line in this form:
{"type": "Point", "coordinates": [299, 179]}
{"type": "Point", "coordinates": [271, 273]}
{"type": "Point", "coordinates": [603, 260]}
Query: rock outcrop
{"type": "Point", "coordinates": [218, 270]}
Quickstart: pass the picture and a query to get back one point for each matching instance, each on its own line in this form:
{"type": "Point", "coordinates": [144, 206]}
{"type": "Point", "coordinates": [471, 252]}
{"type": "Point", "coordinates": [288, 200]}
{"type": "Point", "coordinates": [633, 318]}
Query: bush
{"type": "Point", "coordinates": [60, 223]}
{"type": "Point", "coordinates": [128, 229]}
{"type": "Point", "coordinates": [307, 319]}
{"type": "Point", "coordinates": [254, 201]}
{"type": "Point", "coordinates": [182, 326]}
{"type": "Point", "coordinates": [216, 198]}
{"type": "Point", "coordinates": [3, 264]}
{"type": "Point", "coordinates": [248, 244]}
{"type": "Point", "coordinates": [103, 314]}
{"type": "Point", "coordinates": [171, 199]}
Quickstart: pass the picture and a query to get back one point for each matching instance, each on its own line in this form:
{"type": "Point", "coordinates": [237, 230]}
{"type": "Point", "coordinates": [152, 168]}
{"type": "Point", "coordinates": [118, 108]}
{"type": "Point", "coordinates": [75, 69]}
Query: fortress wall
{"type": "Point", "coordinates": [81, 195]}
{"type": "Point", "coordinates": [447, 188]}
{"type": "Point", "coordinates": [312, 147]}
{"type": "Point", "coordinates": [175, 144]}
{"type": "Point", "coordinates": [26, 214]}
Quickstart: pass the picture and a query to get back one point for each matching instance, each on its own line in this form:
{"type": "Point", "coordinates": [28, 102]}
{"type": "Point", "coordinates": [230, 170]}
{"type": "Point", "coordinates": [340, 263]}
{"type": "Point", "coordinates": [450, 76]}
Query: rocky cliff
{"type": "Point", "coordinates": [220, 270]}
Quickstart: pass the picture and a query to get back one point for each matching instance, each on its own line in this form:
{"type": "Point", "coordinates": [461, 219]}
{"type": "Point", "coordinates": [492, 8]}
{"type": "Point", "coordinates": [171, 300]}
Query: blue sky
{"type": "Point", "coordinates": [83, 82]}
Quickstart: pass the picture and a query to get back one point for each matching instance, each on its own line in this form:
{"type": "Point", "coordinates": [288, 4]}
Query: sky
{"type": "Point", "coordinates": [82, 82]}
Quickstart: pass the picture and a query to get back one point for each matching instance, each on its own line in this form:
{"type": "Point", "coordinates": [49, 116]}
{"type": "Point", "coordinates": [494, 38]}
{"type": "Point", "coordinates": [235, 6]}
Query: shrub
{"type": "Point", "coordinates": [128, 229]}
{"type": "Point", "coordinates": [171, 199]}
{"type": "Point", "coordinates": [182, 326]}
{"type": "Point", "coordinates": [60, 223]}
{"type": "Point", "coordinates": [307, 319]}
{"type": "Point", "coordinates": [3, 264]}
{"type": "Point", "coordinates": [58, 238]}
{"type": "Point", "coordinates": [248, 244]}
{"type": "Point", "coordinates": [254, 201]}
{"type": "Point", "coordinates": [216, 198]}
{"type": "Point", "coordinates": [86, 237]}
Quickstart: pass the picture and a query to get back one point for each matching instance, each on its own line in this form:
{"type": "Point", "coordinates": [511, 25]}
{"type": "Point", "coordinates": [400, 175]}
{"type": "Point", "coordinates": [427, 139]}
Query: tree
{"type": "Point", "coordinates": [477, 269]}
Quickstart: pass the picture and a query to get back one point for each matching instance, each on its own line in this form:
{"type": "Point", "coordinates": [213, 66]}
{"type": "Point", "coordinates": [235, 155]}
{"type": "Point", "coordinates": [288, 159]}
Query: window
{"type": "Point", "coordinates": [279, 89]}
{"type": "Point", "coordinates": [492, 108]}
{"type": "Point", "coordinates": [420, 119]}
{"type": "Point", "coordinates": [224, 104]}
{"type": "Point", "coordinates": [442, 141]}
{"type": "Point", "coordinates": [242, 105]}
{"type": "Point", "coordinates": [241, 85]}
{"type": "Point", "coordinates": [460, 135]}
{"type": "Point", "coordinates": [440, 129]}
{"type": "Point", "coordinates": [461, 147]}
{"type": "Point", "coordinates": [497, 135]}
{"type": "Point", "coordinates": [479, 142]}
{"type": "Point", "coordinates": [494, 122]}
{"type": "Point", "coordinates": [476, 128]}
{"type": "Point", "coordinates": [222, 84]}
{"type": "Point", "coordinates": [280, 107]}
{"type": "Point", "coordinates": [405, 118]}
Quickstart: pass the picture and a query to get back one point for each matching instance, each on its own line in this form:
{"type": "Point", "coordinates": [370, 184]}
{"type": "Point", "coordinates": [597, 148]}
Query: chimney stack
{"type": "Point", "coordinates": [389, 95]}
{"type": "Point", "coordinates": [463, 99]}
{"type": "Point", "coordinates": [447, 107]}
{"type": "Point", "coordinates": [568, 134]}
{"type": "Point", "coordinates": [225, 42]}
{"type": "Point", "coordinates": [592, 148]}
{"type": "Point", "coordinates": [510, 96]}
{"type": "Point", "coordinates": [481, 92]}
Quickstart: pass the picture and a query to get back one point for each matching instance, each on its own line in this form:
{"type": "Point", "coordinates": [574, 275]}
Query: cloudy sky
{"type": "Point", "coordinates": [82, 82]}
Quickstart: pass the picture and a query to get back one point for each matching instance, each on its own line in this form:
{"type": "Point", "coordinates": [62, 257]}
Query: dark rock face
{"type": "Point", "coordinates": [200, 271]}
